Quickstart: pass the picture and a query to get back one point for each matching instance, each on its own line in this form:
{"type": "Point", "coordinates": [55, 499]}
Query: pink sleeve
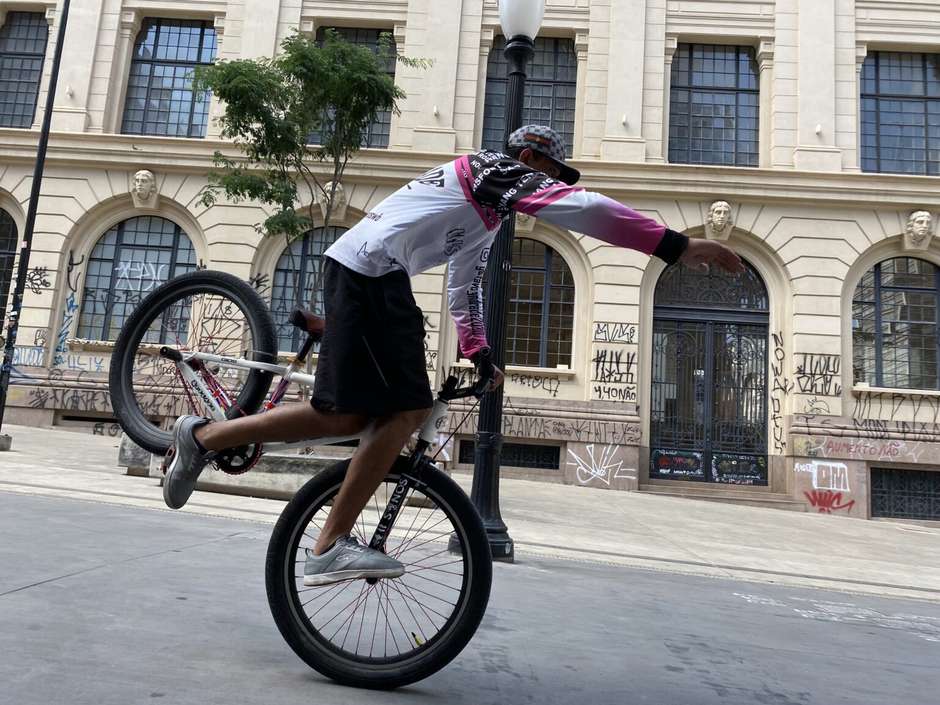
{"type": "Point", "coordinates": [596, 215]}
{"type": "Point", "coordinates": [465, 297]}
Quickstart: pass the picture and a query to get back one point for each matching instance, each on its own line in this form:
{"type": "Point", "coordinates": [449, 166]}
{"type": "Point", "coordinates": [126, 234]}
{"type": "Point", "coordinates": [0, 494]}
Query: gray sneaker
{"type": "Point", "coordinates": [348, 559]}
{"type": "Point", "coordinates": [185, 461]}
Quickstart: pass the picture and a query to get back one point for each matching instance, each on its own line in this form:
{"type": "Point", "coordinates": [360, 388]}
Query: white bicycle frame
{"type": "Point", "coordinates": [213, 396]}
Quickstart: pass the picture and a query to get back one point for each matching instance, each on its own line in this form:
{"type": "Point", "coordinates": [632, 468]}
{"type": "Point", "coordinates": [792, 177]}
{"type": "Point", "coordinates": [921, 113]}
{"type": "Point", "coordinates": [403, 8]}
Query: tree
{"type": "Point", "coordinates": [272, 106]}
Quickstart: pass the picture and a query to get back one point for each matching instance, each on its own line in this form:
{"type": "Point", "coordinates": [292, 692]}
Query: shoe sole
{"type": "Point", "coordinates": [341, 575]}
{"type": "Point", "coordinates": [169, 467]}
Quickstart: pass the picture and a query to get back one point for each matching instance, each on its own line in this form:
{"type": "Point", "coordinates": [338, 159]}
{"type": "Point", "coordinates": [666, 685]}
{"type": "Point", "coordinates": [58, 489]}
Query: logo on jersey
{"type": "Point", "coordinates": [454, 242]}
{"type": "Point", "coordinates": [435, 178]}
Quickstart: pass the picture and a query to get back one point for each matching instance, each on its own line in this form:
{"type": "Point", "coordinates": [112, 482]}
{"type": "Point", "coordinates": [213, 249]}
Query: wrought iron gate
{"type": "Point", "coordinates": [905, 494]}
{"type": "Point", "coordinates": [709, 379]}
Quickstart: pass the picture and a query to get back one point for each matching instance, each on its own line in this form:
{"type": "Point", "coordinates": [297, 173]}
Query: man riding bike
{"type": "Point", "coordinates": [371, 372]}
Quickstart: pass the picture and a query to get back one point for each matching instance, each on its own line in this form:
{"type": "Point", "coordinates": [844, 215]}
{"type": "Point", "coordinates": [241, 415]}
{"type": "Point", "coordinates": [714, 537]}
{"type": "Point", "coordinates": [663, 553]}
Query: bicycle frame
{"type": "Point", "coordinates": [201, 381]}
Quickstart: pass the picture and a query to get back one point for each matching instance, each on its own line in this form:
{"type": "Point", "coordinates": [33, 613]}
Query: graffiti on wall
{"type": "Point", "coordinates": [819, 374]}
{"type": "Point", "coordinates": [72, 275]}
{"type": "Point", "coordinates": [605, 332]}
{"type": "Point", "coordinates": [825, 475]}
{"type": "Point", "coordinates": [778, 394]}
{"type": "Point", "coordinates": [599, 463]}
{"type": "Point", "coordinates": [613, 374]}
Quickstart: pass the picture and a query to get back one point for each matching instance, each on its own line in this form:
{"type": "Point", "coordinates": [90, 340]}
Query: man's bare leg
{"type": "Point", "coordinates": [292, 422]}
{"type": "Point", "coordinates": [372, 461]}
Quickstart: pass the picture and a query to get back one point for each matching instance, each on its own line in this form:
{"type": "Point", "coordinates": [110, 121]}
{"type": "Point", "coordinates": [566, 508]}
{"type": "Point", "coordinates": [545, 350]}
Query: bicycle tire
{"type": "Point", "coordinates": [286, 605]}
{"type": "Point", "coordinates": [120, 379]}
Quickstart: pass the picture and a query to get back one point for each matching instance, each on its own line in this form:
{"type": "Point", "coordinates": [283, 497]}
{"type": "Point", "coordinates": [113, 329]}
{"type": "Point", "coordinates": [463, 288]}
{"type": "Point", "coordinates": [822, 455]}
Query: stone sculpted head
{"type": "Point", "coordinates": [719, 216]}
{"type": "Point", "coordinates": [918, 225]}
{"type": "Point", "coordinates": [144, 184]}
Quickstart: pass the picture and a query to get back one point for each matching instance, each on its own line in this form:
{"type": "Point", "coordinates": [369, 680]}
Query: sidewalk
{"type": "Point", "coordinates": [622, 528]}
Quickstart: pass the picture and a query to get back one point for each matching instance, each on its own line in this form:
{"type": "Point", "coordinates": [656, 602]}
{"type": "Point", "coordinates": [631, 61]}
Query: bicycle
{"type": "Point", "coordinates": [206, 343]}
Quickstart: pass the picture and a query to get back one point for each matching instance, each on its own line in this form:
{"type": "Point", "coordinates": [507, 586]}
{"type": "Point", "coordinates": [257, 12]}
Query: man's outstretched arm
{"type": "Point", "coordinates": [509, 185]}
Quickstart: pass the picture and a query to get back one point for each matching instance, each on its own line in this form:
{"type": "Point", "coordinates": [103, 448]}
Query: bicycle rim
{"type": "Point", "coordinates": [396, 620]}
{"type": "Point", "coordinates": [208, 320]}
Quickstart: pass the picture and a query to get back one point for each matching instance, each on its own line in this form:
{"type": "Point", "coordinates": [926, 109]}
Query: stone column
{"type": "Point", "coordinates": [765, 61]}
{"type": "Point", "coordinates": [623, 140]}
{"type": "Point", "coordinates": [434, 103]}
{"type": "Point", "coordinates": [861, 53]}
{"type": "Point", "coordinates": [128, 28]}
{"type": "Point", "coordinates": [487, 37]}
{"type": "Point", "coordinates": [581, 51]}
{"type": "Point", "coordinates": [669, 53]}
{"type": "Point", "coordinates": [816, 148]}
{"type": "Point", "coordinates": [70, 113]}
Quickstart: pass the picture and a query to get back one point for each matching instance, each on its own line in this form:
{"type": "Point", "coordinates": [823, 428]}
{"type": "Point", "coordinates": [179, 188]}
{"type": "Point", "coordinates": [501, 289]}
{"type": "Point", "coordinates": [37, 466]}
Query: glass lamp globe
{"type": "Point", "coordinates": [521, 17]}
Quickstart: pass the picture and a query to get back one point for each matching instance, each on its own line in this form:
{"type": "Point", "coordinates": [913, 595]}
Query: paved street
{"type": "Point", "coordinates": [105, 604]}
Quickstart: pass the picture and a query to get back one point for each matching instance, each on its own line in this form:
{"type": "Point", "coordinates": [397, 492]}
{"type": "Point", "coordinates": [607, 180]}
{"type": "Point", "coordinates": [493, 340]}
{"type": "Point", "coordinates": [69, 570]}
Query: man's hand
{"type": "Point", "coordinates": [486, 369]}
{"type": "Point", "coordinates": [701, 254]}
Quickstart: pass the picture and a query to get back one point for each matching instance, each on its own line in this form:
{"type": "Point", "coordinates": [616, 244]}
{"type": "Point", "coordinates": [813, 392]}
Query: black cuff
{"type": "Point", "coordinates": [671, 247]}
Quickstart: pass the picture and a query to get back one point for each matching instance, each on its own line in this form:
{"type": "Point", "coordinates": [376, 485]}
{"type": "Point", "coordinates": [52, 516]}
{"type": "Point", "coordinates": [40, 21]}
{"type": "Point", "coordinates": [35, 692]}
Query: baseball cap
{"type": "Point", "coordinates": [547, 142]}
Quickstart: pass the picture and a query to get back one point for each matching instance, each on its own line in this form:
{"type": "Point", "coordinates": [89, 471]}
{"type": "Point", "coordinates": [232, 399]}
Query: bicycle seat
{"type": "Point", "coordinates": [312, 324]}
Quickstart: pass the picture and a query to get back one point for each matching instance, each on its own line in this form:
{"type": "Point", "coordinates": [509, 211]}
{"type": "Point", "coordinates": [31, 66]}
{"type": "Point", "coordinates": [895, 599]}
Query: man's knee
{"type": "Point", "coordinates": [349, 424]}
{"type": "Point", "coordinates": [410, 419]}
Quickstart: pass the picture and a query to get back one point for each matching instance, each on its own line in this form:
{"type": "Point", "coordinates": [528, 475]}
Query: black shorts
{"type": "Point", "coordinates": [371, 357]}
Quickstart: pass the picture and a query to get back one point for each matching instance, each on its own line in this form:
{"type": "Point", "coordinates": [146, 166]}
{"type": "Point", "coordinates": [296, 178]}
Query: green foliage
{"type": "Point", "coordinates": [272, 106]}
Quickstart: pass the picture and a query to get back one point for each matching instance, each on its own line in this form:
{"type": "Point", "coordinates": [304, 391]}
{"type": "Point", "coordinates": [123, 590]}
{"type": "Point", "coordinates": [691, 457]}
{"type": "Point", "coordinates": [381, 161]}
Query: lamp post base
{"type": "Point", "coordinates": [502, 548]}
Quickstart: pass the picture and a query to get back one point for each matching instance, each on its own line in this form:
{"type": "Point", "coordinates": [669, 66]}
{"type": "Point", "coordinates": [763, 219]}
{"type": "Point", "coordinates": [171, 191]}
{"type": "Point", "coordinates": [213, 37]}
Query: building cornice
{"type": "Point", "coordinates": [395, 167]}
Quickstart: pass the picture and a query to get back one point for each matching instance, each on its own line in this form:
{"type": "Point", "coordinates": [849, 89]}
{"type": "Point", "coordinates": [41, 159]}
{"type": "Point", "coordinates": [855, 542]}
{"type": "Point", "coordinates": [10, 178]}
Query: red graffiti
{"type": "Point", "coordinates": [827, 501]}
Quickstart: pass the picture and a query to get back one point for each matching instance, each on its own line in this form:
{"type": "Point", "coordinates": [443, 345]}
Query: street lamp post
{"type": "Point", "coordinates": [26, 243]}
{"type": "Point", "coordinates": [520, 20]}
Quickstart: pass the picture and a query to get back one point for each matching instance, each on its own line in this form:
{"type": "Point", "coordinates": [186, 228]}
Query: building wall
{"type": "Point", "coordinates": [807, 219]}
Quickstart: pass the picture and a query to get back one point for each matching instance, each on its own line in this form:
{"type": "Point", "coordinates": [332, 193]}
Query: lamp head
{"type": "Point", "coordinates": [521, 17]}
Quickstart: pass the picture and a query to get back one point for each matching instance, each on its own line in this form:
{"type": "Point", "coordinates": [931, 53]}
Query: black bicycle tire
{"type": "Point", "coordinates": [328, 662]}
{"type": "Point", "coordinates": [264, 334]}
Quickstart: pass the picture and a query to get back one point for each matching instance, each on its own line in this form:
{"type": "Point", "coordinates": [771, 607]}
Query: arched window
{"type": "Point", "coordinates": [708, 406]}
{"type": "Point", "coordinates": [8, 242]}
{"type": "Point", "coordinates": [22, 52]}
{"type": "Point", "coordinates": [540, 316]}
{"type": "Point", "coordinates": [160, 97]}
{"type": "Point", "coordinates": [130, 260]}
{"type": "Point", "coordinates": [297, 282]}
{"type": "Point", "coordinates": [894, 325]}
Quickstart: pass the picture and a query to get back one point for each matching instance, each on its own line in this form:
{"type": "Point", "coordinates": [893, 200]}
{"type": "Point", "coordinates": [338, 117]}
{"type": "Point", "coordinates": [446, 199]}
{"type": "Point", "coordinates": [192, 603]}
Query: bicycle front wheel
{"type": "Point", "coordinates": [390, 632]}
{"type": "Point", "coordinates": [202, 311]}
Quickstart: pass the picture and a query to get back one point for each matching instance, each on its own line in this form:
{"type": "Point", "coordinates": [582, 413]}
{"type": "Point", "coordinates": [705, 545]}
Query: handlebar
{"type": "Point", "coordinates": [451, 391]}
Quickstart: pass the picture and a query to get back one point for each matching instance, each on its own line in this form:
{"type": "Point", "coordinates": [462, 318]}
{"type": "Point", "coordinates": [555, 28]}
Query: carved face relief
{"type": "Point", "coordinates": [719, 215]}
{"type": "Point", "coordinates": [339, 197]}
{"type": "Point", "coordinates": [918, 225]}
{"type": "Point", "coordinates": [144, 184]}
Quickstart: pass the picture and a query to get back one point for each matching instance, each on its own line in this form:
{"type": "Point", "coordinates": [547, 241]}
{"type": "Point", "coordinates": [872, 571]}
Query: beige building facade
{"type": "Point", "coordinates": [803, 134]}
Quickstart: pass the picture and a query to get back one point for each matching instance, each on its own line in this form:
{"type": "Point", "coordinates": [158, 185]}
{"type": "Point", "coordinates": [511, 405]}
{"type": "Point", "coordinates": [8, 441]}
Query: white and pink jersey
{"type": "Point", "coordinates": [452, 213]}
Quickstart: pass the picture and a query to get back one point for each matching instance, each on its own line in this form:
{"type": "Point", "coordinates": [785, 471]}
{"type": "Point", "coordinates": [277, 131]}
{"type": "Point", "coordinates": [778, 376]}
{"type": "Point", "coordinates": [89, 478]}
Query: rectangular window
{"type": "Point", "coordinates": [22, 52]}
{"type": "Point", "coordinates": [714, 106]}
{"type": "Point", "coordinates": [551, 85]}
{"type": "Point", "coordinates": [901, 113]}
{"type": "Point", "coordinates": [160, 98]}
{"type": "Point", "coordinates": [517, 455]}
{"type": "Point", "coordinates": [379, 131]}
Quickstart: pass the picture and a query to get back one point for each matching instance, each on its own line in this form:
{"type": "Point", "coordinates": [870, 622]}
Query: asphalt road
{"type": "Point", "coordinates": [104, 605]}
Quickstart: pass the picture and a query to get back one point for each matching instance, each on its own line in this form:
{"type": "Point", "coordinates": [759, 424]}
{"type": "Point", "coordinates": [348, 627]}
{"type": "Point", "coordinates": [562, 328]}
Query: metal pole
{"type": "Point", "coordinates": [489, 439]}
{"type": "Point", "coordinates": [27, 242]}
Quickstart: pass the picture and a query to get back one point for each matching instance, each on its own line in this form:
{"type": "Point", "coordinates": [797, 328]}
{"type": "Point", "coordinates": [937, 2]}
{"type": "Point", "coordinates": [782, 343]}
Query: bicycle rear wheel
{"type": "Point", "coordinates": [202, 311]}
{"type": "Point", "coordinates": [393, 631]}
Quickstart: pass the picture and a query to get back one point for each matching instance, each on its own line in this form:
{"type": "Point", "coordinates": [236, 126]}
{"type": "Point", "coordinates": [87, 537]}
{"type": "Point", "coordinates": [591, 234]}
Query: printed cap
{"type": "Point", "coordinates": [547, 142]}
